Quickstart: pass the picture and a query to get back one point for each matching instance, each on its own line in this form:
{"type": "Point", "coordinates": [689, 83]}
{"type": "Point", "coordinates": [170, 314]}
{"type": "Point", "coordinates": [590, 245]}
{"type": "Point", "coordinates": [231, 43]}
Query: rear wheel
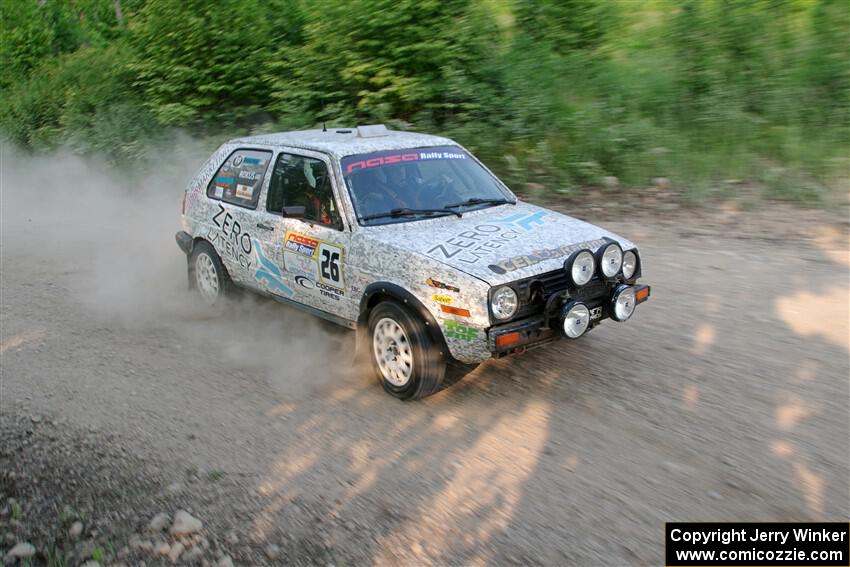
{"type": "Point", "coordinates": [207, 274]}
{"type": "Point", "coordinates": [406, 361]}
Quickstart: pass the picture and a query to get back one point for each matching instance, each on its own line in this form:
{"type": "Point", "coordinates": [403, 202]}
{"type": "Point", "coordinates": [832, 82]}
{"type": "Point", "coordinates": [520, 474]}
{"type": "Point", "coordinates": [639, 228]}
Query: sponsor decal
{"type": "Point", "coordinates": [442, 155]}
{"type": "Point", "coordinates": [525, 260]}
{"type": "Point", "coordinates": [522, 220]}
{"type": "Point", "coordinates": [329, 291]}
{"type": "Point", "coordinates": [250, 175]}
{"type": "Point", "coordinates": [595, 313]}
{"type": "Point", "coordinates": [268, 275]}
{"type": "Point", "coordinates": [378, 159]}
{"type": "Point", "coordinates": [244, 191]}
{"type": "Point", "coordinates": [455, 330]}
{"type": "Point", "coordinates": [237, 160]}
{"type": "Point", "coordinates": [305, 282]}
{"type": "Point", "coordinates": [224, 180]}
{"type": "Point", "coordinates": [470, 246]}
{"type": "Point", "coordinates": [219, 191]}
{"type": "Point", "coordinates": [300, 244]}
{"type": "Point", "coordinates": [382, 160]}
{"type": "Point", "coordinates": [250, 160]}
{"type": "Point", "coordinates": [322, 289]}
{"type": "Point", "coordinates": [440, 285]}
{"type": "Point", "coordinates": [442, 299]}
{"type": "Point", "coordinates": [316, 260]}
{"type": "Point", "coordinates": [229, 239]}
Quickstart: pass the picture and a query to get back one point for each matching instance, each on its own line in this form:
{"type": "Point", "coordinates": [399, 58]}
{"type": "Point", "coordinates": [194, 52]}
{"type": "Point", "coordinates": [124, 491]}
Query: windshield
{"type": "Point", "coordinates": [411, 184]}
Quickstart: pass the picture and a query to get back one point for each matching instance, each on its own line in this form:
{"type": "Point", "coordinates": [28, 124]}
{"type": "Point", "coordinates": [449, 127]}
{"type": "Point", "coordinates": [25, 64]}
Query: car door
{"type": "Point", "coordinates": [234, 195]}
{"type": "Point", "coordinates": [314, 242]}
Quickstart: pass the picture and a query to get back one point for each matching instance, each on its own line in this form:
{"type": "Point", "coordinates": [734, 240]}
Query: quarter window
{"type": "Point", "coordinates": [240, 177]}
{"type": "Point", "coordinates": [299, 181]}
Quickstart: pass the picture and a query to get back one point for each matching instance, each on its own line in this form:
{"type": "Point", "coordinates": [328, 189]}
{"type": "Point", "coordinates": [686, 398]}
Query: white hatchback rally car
{"type": "Point", "coordinates": [408, 239]}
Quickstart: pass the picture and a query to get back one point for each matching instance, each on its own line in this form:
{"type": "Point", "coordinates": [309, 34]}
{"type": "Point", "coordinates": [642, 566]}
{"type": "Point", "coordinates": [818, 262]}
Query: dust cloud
{"type": "Point", "coordinates": [104, 238]}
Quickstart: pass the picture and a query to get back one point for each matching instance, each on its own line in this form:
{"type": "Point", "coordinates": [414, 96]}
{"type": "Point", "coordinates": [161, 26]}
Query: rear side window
{"type": "Point", "coordinates": [240, 177]}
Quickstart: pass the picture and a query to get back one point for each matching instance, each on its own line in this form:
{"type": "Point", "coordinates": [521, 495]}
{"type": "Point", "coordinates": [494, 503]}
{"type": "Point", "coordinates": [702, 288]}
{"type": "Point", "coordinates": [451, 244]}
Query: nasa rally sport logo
{"type": "Point", "coordinates": [304, 282]}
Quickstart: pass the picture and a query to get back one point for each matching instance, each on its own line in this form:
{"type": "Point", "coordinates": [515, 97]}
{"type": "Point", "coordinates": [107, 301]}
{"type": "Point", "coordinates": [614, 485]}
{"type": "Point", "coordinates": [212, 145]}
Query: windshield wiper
{"type": "Point", "coordinates": [480, 201]}
{"type": "Point", "coordinates": [395, 213]}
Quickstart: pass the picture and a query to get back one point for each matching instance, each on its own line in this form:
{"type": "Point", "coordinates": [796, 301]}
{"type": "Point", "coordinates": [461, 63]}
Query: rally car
{"type": "Point", "coordinates": [406, 238]}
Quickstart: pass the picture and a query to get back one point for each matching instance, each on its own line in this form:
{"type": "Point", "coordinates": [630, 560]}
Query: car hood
{"type": "Point", "coordinates": [498, 244]}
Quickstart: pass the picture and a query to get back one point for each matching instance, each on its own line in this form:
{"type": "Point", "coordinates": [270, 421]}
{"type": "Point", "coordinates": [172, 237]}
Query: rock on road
{"type": "Point", "coordinates": [724, 398]}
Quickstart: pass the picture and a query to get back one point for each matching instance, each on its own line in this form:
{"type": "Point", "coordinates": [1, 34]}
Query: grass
{"type": "Point", "coordinates": [55, 557]}
{"type": "Point", "coordinates": [67, 516]}
{"type": "Point", "coordinates": [215, 475]}
{"type": "Point", "coordinates": [15, 512]}
{"type": "Point", "coordinates": [101, 554]}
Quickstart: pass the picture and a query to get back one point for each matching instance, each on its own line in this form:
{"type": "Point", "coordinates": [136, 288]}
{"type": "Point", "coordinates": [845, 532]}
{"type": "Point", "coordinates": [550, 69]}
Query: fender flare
{"type": "Point", "coordinates": [372, 295]}
{"type": "Point", "coordinates": [185, 242]}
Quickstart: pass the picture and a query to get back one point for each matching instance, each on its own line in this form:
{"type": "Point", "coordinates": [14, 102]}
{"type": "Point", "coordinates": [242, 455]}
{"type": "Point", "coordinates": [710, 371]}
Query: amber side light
{"type": "Point", "coordinates": [507, 339]}
{"type": "Point", "coordinates": [642, 295]}
{"type": "Point", "coordinates": [455, 310]}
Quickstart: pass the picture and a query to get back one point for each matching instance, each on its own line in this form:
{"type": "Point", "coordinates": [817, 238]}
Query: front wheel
{"type": "Point", "coordinates": [406, 360]}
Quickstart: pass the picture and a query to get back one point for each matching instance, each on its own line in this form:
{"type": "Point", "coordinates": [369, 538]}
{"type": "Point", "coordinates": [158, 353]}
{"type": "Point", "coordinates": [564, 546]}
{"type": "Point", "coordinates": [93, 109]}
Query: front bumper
{"type": "Point", "coordinates": [518, 336]}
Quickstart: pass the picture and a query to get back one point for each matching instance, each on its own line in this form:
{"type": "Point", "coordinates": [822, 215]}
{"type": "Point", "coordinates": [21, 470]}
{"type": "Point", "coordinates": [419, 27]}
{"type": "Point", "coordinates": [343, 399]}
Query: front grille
{"type": "Point", "coordinates": [534, 292]}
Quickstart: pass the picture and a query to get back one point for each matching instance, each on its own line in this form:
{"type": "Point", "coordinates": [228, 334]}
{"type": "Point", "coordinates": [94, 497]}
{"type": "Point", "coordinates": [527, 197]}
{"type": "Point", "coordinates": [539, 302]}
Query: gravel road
{"type": "Point", "coordinates": [725, 398]}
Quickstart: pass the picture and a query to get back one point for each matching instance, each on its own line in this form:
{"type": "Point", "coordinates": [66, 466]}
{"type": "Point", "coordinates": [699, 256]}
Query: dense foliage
{"type": "Point", "coordinates": [556, 92]}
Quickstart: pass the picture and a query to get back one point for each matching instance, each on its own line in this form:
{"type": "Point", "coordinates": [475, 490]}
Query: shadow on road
{"type": "Point", "coordinates": [724, 398]}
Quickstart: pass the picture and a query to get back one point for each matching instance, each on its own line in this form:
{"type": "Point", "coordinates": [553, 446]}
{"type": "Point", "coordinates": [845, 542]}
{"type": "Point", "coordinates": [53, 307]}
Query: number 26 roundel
{"type": "Point", "coordinates": [330, 265]}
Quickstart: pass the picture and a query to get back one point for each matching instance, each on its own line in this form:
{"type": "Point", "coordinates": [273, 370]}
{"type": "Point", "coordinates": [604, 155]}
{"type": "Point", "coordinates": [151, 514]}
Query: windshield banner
{"type": "Point", "coordinates": [351, 164]}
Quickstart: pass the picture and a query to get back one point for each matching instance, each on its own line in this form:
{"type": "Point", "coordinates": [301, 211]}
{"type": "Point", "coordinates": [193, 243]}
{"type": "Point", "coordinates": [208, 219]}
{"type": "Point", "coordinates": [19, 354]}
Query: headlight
{"type": "Point", "coordinates": [504, 303]}
{"type": "Point", "coordinates": [574, 319]}
{"type": "Point", "coordinates": [623, 303]}
{"type": "Point", "coordinates": [610, 259]}
{"type": "Point", "coordinates": [629, 264]}
{"type": "Point", "coordinates": [581, 266]}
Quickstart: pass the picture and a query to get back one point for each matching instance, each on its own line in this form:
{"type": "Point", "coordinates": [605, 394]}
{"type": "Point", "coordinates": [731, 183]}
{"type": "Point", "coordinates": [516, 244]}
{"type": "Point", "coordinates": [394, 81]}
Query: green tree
{"type": "Point", "coordinates": [83, 99]}
{"type": "Point", "coordinates": [198, 61]}
{"type": "Point", "coordinates": [409, 60]}
{"type": "Point", "coordinates": [827, 65]}
{"type": "Point", "coordinates": [567, 25]}
{"type": "Point", "coordinates": [26, 40]}
{"type": "Point", "coordinates": [691, 38]}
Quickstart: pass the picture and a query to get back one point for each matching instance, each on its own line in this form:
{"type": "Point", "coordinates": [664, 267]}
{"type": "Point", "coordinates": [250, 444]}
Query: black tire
{"type": "Point", "coordinates": [201, 253]}
{"type": "Point", "coordinates": [427, 367]}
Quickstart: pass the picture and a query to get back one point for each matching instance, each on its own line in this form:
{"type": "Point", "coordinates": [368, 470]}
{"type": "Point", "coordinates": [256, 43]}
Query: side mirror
{"type": "Point", "coordinates": [295, 212]}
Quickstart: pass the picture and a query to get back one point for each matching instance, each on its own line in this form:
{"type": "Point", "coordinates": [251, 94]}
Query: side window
{"type": "Point", "coordinates": [299, 181]}
{"type": "Point", "coordinates": [240, 177]}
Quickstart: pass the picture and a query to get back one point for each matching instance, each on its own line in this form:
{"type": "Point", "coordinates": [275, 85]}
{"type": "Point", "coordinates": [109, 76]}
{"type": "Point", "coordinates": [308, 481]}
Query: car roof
{"type": "Point", "coordinates": [341, 142]}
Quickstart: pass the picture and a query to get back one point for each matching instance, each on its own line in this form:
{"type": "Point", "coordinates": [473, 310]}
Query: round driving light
{"type": "Point", "coordinates": [504, 303]}
{"type": "Point", "coordinates": [623, 303]}
{"type": "Point", "coordinates": [581, 266]}
{"type": "Point", "coordinates": [611, 260]}
{"type": "Point", "coordinates": [629, 264]}
{"type": "Point", "coordinates": [575, 319]}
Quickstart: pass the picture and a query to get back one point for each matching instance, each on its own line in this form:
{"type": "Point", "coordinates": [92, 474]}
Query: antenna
{"type": "Point", "coordinates": [324, 127]}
